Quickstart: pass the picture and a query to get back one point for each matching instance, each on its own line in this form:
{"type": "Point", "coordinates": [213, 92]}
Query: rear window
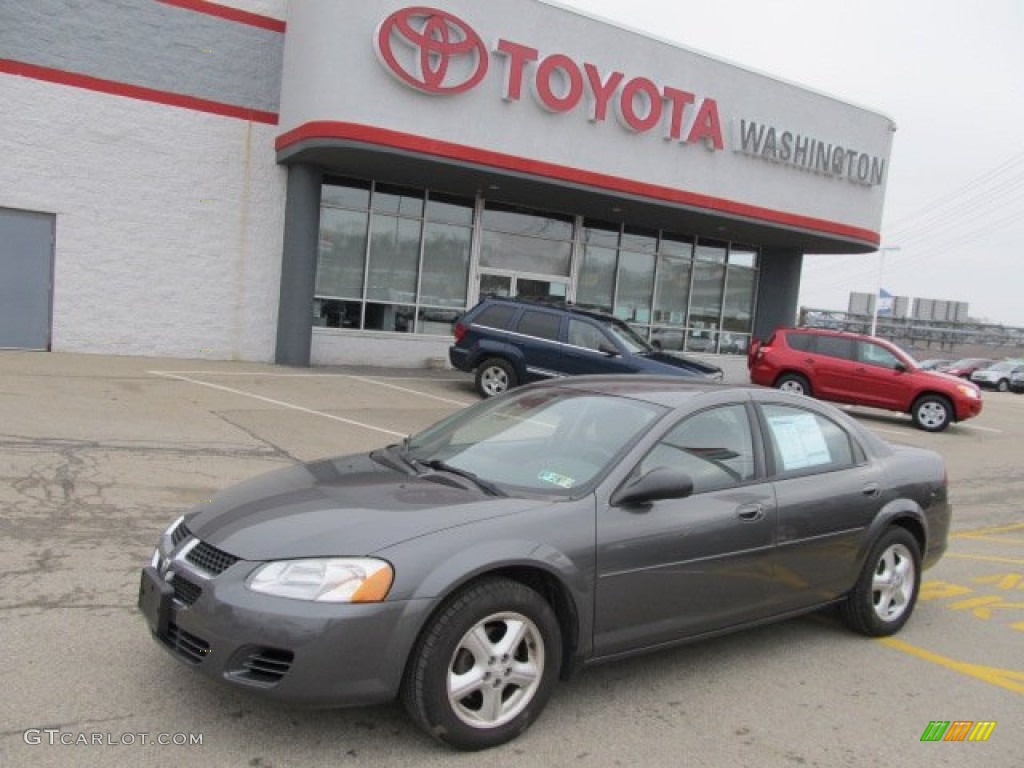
{"type": "Point", "coordinates": [497, 316]}
{"type": "Point", "coordinates": [835, 346]}
{"type": "Point", "coordinates": [543, 325]}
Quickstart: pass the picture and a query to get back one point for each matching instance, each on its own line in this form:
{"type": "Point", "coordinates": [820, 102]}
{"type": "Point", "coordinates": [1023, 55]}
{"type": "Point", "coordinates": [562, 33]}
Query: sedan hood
{"type": "Point", "coordinates": [348, 506]}
{"type": "Point", "coordinates": [697, 367]}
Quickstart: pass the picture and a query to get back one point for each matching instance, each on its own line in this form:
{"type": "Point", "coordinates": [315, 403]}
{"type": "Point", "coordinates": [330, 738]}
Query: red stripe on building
{"type": "Point", "coordinates": [229, 14]}
{"type": "Point", "coordinates": [139, 92]}
{"type": "Point", "coordinates": [409, 142]}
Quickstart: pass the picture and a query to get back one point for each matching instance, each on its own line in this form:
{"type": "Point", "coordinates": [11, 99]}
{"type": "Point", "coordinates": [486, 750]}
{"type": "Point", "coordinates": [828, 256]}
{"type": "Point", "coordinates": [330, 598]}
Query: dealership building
{"type": "Point", "coordinates": [323, 182]}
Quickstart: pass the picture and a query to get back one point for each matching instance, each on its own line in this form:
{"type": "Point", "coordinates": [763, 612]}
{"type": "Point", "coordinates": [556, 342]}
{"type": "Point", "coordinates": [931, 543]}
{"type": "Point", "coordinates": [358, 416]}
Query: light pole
{"type": "Point", "coordinates": [878, 290]}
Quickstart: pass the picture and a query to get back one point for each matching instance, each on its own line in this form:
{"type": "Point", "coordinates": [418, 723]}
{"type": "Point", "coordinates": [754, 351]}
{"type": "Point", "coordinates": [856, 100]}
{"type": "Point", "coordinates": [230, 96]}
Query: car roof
{"type": "Point", "coordinates": [668, 391]}
{"type": "Point", "coordinates": [561, 305]}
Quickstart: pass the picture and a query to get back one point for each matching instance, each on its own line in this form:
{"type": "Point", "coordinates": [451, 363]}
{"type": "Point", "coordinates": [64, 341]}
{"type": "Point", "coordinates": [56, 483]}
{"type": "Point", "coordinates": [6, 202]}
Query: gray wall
{"type": "Point", "coordinates": [778, 290]}
{"type": "Point", "coordinates": [148, 44]}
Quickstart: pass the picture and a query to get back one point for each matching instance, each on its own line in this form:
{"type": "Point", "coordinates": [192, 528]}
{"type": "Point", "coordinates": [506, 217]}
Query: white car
{"type": "Point", "coordinates": [997, 376]}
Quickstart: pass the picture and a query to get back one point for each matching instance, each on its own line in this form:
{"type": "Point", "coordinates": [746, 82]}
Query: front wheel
{"type": "Point", "coordinates": [485, 666]}
{"type": "Point", "coordinates": [495, 376]}
{"type": "Point", "coordinates": [886, 590]}
{"type": "Point", "coordinates": [1003, 385]}
{"type": "Point", "coordinates": [932, 413]}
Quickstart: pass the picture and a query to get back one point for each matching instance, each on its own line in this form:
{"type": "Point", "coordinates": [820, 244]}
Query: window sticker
{"type": "Point", "coordinates": [800, 441]}
{"type": "Point", "coordinates": [546, 476]}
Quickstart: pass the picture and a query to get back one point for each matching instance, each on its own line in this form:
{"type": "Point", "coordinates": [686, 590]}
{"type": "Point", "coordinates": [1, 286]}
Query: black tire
{"type": "Point", "coordinates": [468, 638]}
{"type": "Point", "coordinates": [886, 590]}
{"type": "Point", "coordinates": [495, 376]}
{"type": "Point", "coordinates": [932, 413]}
{"type": "Point", "coordinates": [1003, 385]}
{"type": "Point", "coordinates": [794, 383]}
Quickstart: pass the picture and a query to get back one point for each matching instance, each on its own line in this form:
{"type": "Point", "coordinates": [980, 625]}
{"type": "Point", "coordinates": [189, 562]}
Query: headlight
{"type": "Point", "coordinates": [325, 580]}
{"type": "Point", "coordinates": [970, 392]}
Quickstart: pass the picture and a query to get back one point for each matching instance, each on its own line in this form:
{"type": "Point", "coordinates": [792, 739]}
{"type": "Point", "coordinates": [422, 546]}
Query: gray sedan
{"type": "Point", "coordinates": [467, 569]}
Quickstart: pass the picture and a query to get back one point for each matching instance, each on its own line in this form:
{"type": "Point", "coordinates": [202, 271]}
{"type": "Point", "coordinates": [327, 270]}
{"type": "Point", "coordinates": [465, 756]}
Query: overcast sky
{"type": "Point", "coordinates": [951, 75]}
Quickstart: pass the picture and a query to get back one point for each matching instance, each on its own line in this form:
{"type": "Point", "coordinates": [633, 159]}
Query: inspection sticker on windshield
{"type": "Point", "coordinates": [556, 479]}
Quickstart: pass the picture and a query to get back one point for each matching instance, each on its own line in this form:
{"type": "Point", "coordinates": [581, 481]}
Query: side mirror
{"type": "Point", "coordinates": [607, 349]}
{"type": "Point", "coordinates": [900, 368]}
{"type": "Point", "coordinates": [658, 484]}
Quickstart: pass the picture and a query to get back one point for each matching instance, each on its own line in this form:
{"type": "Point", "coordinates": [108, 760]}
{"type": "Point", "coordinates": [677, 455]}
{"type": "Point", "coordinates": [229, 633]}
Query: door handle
{"type": "Point", "coordinates": [750, 513]}
{"type": "Point", "coordinates": [872, 490]}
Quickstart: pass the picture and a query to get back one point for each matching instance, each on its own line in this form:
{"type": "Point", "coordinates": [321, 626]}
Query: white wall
{"type": "Point", "coordinates": [169, 221]}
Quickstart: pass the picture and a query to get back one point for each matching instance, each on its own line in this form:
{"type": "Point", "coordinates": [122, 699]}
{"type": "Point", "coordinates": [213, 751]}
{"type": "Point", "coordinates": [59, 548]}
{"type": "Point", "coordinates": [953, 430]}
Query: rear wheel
{"type": "Point", "coordinates": [886, 591]}
{"type": "Point", "coordinates": [932, 413]}
{"type": "Point", "coordinates": [495, 376]}
{"type": "Point", "coordinates": [793, 383]}
{"type": "Point", "coordinates": [1003, 385]}
{"type": "Point", "coordinates": [485, 666]}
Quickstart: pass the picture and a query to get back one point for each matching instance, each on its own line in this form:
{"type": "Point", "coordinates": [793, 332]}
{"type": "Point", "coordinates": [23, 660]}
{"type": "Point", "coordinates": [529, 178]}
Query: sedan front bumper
{"type": "Point", "coordinates": [298, 652]}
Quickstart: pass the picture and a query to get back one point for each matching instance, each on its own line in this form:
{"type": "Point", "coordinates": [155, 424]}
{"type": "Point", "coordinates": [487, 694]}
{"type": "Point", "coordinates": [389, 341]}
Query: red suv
{"type": "Point", "coordinates": [861, 370]}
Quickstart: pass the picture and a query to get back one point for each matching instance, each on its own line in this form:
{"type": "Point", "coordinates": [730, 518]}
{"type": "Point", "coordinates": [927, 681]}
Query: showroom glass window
{"type": "Point", "coordinates": [391, 258]}
{"type": "Point", "coordinates": [517, 239]}
{"type": "Point", "coordinates": [738, 304]}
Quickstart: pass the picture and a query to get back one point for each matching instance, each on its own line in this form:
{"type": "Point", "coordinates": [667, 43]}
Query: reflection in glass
{"type": "Point", "coordinates": [394, 259]}
{"type": "Point", "coordinates": [517, 253]}
{"type": "Point", "coordinates": [596, 285]}
{"type": "Point", "coordinates": [636, 286]}
{"type": "Point", "coordinates": [516, 220]}
{"type": "Point", "coordinates": [449, 209]}
{"type": "Point", "coordinates": [673, 292]}
{"type": "Point", "coordinates": [398, 200]}
{"type": "Point", "coordinates": [445, 265]}
{"type": "Point", "coordinates": [739, 299]}
{"type": "Point", "coordinates": [346, 193]}
{"type": "Point", "coordinates": [342, 253]}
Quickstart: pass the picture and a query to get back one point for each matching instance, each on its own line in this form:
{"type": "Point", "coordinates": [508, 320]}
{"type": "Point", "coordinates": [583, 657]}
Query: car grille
{"type": "Point", "coordinates": [266, 666]}
{"type": "Point", "coordinates": [185, 592]}
{"type": "Point", "coordinates": [179, 534]}
{"type": "Point", "coordinates": [186, 645]}
{"type": "Point", "coordinates": [210, 559]}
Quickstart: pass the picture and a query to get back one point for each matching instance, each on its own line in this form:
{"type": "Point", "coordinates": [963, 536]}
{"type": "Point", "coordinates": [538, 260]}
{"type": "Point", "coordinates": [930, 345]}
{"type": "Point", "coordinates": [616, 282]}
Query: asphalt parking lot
{"type": "Point", "coordinates": [99, 454]}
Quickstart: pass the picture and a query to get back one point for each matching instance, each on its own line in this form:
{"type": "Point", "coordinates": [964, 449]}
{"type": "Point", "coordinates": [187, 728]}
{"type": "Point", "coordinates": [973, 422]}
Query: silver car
{"type": "Point", "coordinates": [469, 568]}
{"type": "Point", "coordinates": [997, 376]}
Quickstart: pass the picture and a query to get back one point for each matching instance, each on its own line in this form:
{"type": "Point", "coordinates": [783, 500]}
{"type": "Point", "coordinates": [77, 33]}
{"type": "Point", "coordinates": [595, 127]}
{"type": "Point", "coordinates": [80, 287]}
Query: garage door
{"type": "Point", "coordinates": [26, 278]}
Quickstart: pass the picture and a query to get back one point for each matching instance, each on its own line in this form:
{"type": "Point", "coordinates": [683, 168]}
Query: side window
{"type": "Point", "coordinates": [498, 316]}
{"type": "Point", "coordinates": [799, 341]}
{"type": "Point", "coordinates": [836, 346]}
{"type": "Point", "coordinates": [802, 440]}
{"type": "Point", "coordinates": [543, 325]}
{"type": "Point", "coordinates": [583, 334]}
{"type": "Point", "coordinates": [873, 354]}
{"type": "Point", "coordinates": [714, 447]}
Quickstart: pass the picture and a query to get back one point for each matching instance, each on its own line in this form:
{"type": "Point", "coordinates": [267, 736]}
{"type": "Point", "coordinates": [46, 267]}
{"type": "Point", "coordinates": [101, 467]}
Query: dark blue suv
{"type": "Point", "coordinates": [515, 341]}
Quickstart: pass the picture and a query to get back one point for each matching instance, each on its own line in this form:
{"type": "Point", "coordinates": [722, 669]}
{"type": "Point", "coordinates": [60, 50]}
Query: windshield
{"type": "Point", "coordinates": [629, 338]}
{"type": "Point", "coordinates": [1005, 366]}
{"type": "Point", "coordinates": [547, 441]}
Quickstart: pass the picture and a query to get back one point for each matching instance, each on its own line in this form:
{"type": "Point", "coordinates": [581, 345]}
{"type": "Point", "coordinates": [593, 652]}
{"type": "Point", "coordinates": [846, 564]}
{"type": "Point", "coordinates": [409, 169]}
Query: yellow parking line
{"type": "Point", "coordinates": [998, 539]}
{"type": "Point", "coordinates": [1009, 679]}
{"type": "Point", "coordinates": [986, 558]}
{"type": "Point", "coordinates": [989, 530]}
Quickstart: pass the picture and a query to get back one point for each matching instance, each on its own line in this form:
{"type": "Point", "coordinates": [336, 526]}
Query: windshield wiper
{"type": "Point", "coordinates": [484, 485]}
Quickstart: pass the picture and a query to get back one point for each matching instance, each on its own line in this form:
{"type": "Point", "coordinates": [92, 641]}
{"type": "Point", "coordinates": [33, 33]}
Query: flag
{"type": "Point", "coordinates": [884, 302]}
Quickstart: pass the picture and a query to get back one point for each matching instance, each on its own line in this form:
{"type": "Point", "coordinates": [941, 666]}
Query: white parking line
{"type": "Point", "coordinates": [279, 403]}
{"type": "Point", "coordinates": [980, 429]}
{"type": "Point", "coordinates": [378, 380]}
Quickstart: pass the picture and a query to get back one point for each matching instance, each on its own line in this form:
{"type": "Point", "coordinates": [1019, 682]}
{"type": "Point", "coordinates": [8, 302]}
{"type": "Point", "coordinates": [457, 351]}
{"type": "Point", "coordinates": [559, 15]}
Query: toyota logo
{"type": "Point", "coordinates": [431, 50]}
